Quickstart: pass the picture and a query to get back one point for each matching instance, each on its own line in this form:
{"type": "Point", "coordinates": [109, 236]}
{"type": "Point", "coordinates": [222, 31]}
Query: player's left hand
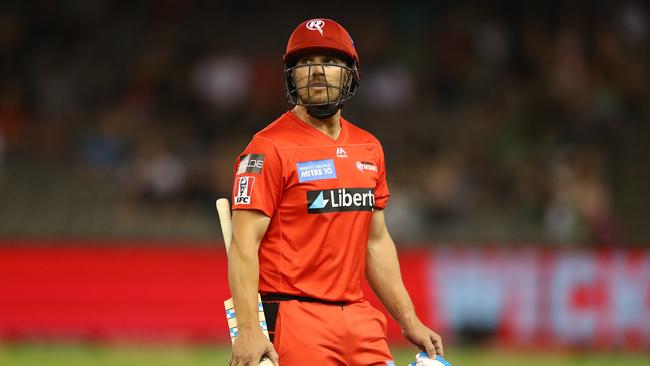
{"type": "Point", "coordinates": [423, 337]}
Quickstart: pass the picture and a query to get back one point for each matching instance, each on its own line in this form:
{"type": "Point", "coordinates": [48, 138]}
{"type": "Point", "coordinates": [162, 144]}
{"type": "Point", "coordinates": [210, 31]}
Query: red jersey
{"type": "Point", "coordinates": [320, 194]}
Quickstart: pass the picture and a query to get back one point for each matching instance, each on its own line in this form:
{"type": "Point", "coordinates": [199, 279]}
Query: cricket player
{"type": "Point", "coordinates": [308, 223]}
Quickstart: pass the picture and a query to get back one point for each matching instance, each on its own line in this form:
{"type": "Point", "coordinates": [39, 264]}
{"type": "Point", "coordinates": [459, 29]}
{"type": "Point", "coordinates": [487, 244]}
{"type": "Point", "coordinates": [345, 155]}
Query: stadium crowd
{"type": "Point", "coordinates": [512, 122]}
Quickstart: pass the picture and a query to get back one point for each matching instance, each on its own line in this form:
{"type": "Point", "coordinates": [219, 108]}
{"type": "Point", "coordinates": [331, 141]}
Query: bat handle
{"type": "Point", "coordinates": [223, 208]}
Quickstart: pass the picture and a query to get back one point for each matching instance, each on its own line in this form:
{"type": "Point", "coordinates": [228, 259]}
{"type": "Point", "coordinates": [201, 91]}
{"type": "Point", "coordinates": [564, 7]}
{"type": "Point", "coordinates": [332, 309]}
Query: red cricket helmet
{"type": "Point", "coordinates": [321, 34]}
{"type": "Point", "coordinates": [316, 35]}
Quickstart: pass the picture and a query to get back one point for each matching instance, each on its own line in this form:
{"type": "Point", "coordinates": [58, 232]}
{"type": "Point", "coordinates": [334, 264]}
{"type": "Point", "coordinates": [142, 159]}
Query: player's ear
{"type": "Point", "coordinates": [346, 77]}
{"type": "Point", "coordinates": [294, 80]}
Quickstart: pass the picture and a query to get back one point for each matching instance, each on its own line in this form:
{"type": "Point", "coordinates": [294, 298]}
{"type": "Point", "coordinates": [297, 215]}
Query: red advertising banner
{"type": "Point", "coordinates": [164, 290]}
{"type": "Point", "coordinates": [527, 297]}
{"type": "Point", "coordinates": [130, 290]}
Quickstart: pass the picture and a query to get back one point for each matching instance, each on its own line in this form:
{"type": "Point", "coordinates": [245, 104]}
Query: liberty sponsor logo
{"type": "Point", "coordinates": [244, 190]}
{"type": "Point", "coordinates": [315, 170]}
{"type": "Point", "coordinates": [341, 153]}
{"type": "Point", "coordinates": [341, 200]}
{"type": "Point", "coordinates": [251, 163]}
{"type": "Point", "coordinates": [316, 24]}
{"type": "Point", "coordinates": [365, 165]}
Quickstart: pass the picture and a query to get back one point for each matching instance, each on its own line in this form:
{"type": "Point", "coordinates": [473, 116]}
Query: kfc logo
{"type": "Point", "coordinates": [244, 190]}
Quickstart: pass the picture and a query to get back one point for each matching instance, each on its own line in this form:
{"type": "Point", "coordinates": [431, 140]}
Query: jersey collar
{"type": "Point", "coordinates": [320, 134]}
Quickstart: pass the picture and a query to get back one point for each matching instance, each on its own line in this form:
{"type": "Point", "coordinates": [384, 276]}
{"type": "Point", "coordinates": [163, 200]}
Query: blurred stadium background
{"type": "Point", "coordinates": [517, 145]}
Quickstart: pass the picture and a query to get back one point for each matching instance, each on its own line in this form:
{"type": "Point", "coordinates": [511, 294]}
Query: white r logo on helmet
{"type": "Point", "coordinates": [316, 24]}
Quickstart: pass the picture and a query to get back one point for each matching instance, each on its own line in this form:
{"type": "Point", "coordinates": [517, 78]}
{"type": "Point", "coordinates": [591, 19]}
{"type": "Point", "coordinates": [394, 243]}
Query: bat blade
{"type": "Point", "coordinates": [225, 221]}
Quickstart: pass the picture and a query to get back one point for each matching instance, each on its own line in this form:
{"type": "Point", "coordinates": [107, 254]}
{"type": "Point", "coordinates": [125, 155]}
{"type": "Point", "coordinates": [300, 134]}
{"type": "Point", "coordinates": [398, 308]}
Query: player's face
{"type": "Point", "coordinates": [320, 77]}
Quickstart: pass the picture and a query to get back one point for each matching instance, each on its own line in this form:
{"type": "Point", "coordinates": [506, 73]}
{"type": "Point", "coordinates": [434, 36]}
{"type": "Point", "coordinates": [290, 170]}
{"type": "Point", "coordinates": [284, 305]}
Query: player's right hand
{"type": "Point", "coordinates": [249, 347]}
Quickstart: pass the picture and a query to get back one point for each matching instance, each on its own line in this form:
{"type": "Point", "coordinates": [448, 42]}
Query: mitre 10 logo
{"type": "Point", "coordinates": [341, 199]}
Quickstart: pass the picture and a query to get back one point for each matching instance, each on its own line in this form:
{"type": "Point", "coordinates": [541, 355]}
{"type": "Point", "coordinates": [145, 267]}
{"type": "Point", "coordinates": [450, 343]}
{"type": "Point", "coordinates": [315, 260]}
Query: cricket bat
{"type": "Point", "coordinates": [223, 208]}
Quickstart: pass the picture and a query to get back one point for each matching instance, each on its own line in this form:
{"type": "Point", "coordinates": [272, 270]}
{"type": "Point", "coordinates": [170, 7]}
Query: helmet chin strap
{"type": "Point", "coordinates": [323, 111]}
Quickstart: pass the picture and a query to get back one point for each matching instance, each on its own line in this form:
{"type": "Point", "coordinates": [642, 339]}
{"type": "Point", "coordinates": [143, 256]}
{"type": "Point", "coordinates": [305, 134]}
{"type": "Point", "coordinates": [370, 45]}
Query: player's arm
{"type": "Point", "coordinates": [385, 278]}
{"type": "Point", "coordinates": [248, 228]}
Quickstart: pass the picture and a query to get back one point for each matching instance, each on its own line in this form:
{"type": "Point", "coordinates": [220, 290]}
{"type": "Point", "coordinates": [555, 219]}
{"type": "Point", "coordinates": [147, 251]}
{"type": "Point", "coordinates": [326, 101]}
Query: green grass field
{"type": "Point", "coordinates": [178, 355]}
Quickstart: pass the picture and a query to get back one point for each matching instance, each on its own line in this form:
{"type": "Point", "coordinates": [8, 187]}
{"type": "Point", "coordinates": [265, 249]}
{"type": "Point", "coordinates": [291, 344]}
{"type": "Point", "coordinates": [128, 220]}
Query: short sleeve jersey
{"type": "Point", "coordinates": [320, 194]}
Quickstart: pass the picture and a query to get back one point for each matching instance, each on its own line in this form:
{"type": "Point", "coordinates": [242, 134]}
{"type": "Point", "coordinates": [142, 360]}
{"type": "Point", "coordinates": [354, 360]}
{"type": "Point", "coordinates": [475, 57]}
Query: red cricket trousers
{"type": "Point", "coordinates": [326, 334]}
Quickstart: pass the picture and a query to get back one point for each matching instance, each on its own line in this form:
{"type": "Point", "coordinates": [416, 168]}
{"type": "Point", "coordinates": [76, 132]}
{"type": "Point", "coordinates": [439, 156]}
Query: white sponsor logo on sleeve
{"type": "Point", "coordinates": [244, 190]}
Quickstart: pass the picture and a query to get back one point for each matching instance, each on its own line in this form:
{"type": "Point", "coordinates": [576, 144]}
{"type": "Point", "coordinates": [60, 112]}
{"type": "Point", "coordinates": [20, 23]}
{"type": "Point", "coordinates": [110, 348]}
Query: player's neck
{"type": "Point", "coordinates": [329, 126]}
